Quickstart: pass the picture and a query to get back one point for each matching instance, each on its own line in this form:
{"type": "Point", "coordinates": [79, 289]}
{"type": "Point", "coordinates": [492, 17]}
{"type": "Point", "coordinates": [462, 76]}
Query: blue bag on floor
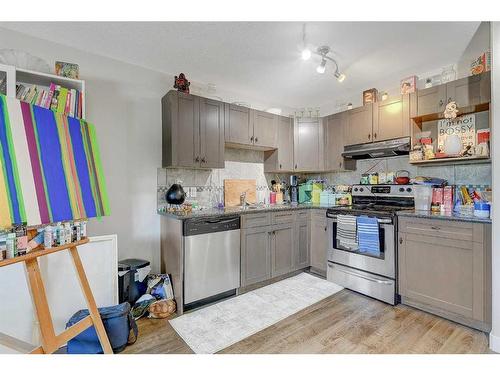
{"type": "Point", "coordinates": [118, 322]}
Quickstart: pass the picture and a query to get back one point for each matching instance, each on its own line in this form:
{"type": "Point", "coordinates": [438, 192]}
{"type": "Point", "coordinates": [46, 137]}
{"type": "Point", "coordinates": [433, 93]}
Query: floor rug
{"type": "Point", "coordinates": [218, 326]}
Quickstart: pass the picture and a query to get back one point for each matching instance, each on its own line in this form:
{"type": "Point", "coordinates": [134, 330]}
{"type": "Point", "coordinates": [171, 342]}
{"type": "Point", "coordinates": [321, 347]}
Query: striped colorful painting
{"type": "Point", "coordinates": [50, 167]}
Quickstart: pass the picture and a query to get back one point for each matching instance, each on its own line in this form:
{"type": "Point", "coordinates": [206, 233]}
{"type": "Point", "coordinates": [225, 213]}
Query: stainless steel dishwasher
{"type": "Point", "coordinates": [211, 259]}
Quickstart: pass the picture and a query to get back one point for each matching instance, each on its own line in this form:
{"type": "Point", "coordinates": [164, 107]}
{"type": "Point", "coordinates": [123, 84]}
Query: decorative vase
{"type": "Point", "coordinates": [448, 74]}
{"type": "Point", "coordinates": [453, 145]}
{"type": "Point", "coordinates": [175, 194]}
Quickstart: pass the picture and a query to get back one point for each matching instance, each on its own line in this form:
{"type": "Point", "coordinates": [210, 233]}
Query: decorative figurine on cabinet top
{"type": "Point", "coordinates": [451, 110]}
{"type": "Point", "coordinates": [181, 83]}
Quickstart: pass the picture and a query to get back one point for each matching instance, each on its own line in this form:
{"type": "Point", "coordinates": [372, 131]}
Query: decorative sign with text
{"type": "Point", "coordinates": [463, 126]}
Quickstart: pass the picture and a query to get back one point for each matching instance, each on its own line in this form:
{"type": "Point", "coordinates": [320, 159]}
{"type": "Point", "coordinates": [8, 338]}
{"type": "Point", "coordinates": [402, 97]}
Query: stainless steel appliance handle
{"type": "Point", "coordinates": [215, 221]}
{"type": "Point", "coordinates": [381, 221]}
{"type": "Point", "coordinates": [362, 276]}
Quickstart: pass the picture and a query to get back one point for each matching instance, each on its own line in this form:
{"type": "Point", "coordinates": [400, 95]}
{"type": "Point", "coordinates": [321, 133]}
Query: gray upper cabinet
{"type": "Point", "coordinates": [471, 90]}
{"type": "Point", "coordinates": [192, 131]}
{"type": "Point", "coordinates": [431, 100]}
{"type": "Point", "coordinates": [180, 130]}
{"type": "Point", "coordinates": [308, 145]}
{"type": "Point", "coordinates": [238, 125]}
{"type": "Point", "coordinates": [264, 129]}
{"type": "Point", "coordinates": [256, 255]}
{"type": "Point", "coordinates": [281, 159]}
{"type": "Point", "coordinates": [359, 125]}
{"type": "Point", "coordinates": [211, 133]}
{"type": "Point", "coordinates": [282, 249]}
{"type": "Point", "coordinates": [249, 128]}
{"type": "Point", "coordinates": [391, 118]}
{"type": "Point", "coordinates": [335, 129]}
{"type": "Point", "coordinates": [466, 91]}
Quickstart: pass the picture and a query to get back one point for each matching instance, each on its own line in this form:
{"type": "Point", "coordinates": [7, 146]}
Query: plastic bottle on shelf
{"type": "Point", "coordinates": [48, 237]}
{"type": "Point", "coordinates": [11, 245]}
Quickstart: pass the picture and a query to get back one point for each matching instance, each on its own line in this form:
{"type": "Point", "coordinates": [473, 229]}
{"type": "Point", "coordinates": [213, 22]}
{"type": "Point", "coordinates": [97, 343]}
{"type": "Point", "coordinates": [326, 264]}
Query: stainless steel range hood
{"type": "Point", "coordinates": [400, 146]}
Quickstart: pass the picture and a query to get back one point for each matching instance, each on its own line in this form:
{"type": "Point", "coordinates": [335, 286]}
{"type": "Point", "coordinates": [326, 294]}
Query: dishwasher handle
{"type": "Point", "coordinates": [194, 227]}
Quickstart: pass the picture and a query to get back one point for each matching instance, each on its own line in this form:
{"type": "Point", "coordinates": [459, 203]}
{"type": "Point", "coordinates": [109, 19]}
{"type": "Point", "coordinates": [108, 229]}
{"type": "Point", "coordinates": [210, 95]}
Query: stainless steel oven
{"type": "Point", "coordinates": [372, 274]}
{"type": "Point", "coordinates": [361, 271]}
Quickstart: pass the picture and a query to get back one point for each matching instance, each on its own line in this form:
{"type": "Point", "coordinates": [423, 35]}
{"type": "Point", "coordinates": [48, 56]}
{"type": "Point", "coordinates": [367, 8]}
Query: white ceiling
{"type": "Point", "coordinates": [262, 59]}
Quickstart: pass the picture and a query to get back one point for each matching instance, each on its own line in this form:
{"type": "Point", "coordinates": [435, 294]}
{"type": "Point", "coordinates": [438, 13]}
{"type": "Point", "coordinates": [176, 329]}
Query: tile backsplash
{"type": "Point", "coordinates": [249, 164]}
{"type": "Point", "coordinates": [239, 163]}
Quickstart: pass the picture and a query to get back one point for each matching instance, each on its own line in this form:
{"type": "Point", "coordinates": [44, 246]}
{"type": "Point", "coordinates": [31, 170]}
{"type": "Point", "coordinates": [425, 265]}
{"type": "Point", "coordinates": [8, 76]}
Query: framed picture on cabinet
{"type": "Point", "coordinates": [408, 85]}
{"type": "Point", "coordinates": [370, 96]}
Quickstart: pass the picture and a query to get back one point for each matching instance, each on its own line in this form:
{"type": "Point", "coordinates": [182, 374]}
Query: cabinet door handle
{"type": "Point", "coordinates": [400, 240]}
{"type": "Point", "coordinates": [256, 139]}
{"type": "Point", "coordinates": [326, 229]}
{"type": "Point", "coordinates": [375, 135]}
{"type": "Point", "coordinates": [280, 166]}
{"type": "Point", "coordinates": [295, 166]}
{"type": "Point", "coordinates": [251, 138]}
{"type": "Point", "coordinates": [435, 228]}
{"type": "Point", "coordinates": [450, 100]}
{"type": "Point", "coordinates": [197, 159]}
{"type": "Point", "coordinates": [203, 160]}
{"type": "Point", "coordinates": [369, 136]}
{"type": "Point", "coordinates": [340, 165]}
{"type": "Point", "coordinates": [441, 103]}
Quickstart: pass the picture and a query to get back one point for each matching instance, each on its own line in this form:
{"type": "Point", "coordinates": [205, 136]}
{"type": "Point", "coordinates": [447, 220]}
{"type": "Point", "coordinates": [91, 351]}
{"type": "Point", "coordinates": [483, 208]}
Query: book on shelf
{"type": "Point", "coordinates": [55, 97]}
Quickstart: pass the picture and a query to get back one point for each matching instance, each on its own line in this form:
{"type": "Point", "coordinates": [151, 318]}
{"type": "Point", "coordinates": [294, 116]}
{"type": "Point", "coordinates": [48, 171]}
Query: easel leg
{"type": "Point", "coordinates": [49, 340]}
{"type": "Point", "coordinates": [89, 297]}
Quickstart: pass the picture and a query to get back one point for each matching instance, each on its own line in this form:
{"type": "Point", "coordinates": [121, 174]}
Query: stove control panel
{"type": "Point", "coordinates": [382, 190]}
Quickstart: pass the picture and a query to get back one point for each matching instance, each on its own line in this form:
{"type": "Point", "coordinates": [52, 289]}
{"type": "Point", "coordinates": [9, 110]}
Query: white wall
{"type": "Point", "coordinates": [495, 157]}
{"type": "Point", "coordinates": [123, 101]}
{"type": "Point", "coordinates": [479, 43]}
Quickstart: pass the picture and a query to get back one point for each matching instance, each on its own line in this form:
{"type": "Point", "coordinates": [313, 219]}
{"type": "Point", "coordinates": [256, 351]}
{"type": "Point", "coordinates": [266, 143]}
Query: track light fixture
{"type": "Point", "coordinates": [321, 67]}
{"type": "Point", "coordinates": [323, 52]}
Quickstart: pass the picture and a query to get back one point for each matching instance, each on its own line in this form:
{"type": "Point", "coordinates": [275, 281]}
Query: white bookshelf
{"type": "Point", "coordinates": [16, 75]}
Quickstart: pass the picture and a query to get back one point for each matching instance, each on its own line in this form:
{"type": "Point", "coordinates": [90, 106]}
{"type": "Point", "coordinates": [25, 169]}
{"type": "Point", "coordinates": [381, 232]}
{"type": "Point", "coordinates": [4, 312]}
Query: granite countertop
{"type": "Point", "coordinates": [450, 216]}
{"type": "Point", "coordinates": [229, 211]}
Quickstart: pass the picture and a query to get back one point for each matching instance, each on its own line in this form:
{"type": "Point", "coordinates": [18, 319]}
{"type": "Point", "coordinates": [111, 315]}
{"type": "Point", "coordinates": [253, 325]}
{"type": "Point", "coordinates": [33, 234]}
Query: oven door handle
{"type": "Point", "coordinates": [362, 276]}
{"type": "Point", "coordinates": [380, 221]}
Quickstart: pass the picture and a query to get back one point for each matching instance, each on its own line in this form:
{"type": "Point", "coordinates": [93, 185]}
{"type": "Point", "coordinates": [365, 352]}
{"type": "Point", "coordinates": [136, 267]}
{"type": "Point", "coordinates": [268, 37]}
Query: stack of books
{"type": "Point", "coordinates": [56, 98]}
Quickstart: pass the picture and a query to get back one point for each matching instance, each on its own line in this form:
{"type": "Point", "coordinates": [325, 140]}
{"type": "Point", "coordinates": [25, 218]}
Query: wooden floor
{"type": "Point", "coordinates": [344, 323]}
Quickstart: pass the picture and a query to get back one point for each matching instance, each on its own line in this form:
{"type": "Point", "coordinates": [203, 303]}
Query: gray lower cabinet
{"type": "Point", "coordinates": [282, 246]}
{"type": "Point", "coordinates": [255, 255]}
{"type": "Point", "coordinates": [274, 244]}
{"type": "Point", "coordinates": [319, 242]}
{"type": "Point", "coordinates": [444, 268]}
{"type": "Point", "coordinates": [302, 240]}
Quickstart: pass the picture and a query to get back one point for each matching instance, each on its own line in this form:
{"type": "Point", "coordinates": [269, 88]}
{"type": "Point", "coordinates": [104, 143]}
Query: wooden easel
{"type": "Point", "coordinates": [50, 341]}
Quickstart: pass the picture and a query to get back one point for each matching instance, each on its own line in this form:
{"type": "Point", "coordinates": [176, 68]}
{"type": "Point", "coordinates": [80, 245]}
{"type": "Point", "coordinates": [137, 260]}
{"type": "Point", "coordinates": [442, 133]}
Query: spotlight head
{"type": "Point", "coordinates": [306, 54]}
{"type": "Point", "coordinates": [340, 76]}
{"type": "Point", "coordinates": [321, 67]}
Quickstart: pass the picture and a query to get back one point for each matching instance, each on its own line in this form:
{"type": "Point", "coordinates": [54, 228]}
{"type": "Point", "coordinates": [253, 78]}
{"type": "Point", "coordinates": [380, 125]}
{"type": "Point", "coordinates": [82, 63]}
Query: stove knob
{"type": "Point", "coordinates": [355, 189]}
{"type": "Point", "coordinates": [361, 189]}
{"type": "Point", "coordinates": [401, 190]}
{"type": "Point", "coordinates": [408, 190]}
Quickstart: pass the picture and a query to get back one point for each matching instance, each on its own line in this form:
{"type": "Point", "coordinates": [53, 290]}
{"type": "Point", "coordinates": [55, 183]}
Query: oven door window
{"type": "Point", "coordinates": [382, 245]}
